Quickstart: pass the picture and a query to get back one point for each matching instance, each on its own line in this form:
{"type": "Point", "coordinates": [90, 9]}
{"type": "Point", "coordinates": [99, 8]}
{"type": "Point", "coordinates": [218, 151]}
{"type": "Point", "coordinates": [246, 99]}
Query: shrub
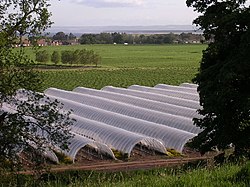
{"type": "Point", "coordinates": [244, 174]}
{"type": "Point", "coordinates": [55, 57]}
{"type": "Point", "coordinates": [67, 57]}
{"type": "Point", "coordinates": [42, 56]}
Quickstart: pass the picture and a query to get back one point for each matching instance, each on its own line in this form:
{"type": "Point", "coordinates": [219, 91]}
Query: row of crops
{"type": "Point", "coordinates": [98, 78]}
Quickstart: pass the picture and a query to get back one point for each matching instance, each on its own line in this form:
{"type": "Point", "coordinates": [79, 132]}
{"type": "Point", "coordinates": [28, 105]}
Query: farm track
{"type": "Point", "coordinates": [127, 166]}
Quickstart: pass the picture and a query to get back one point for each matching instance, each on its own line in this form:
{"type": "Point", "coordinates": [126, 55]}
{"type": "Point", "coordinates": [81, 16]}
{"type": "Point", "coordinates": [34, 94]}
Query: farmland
{"type": "Point", "coordinates": [126, 65]}
{"type": "Point", "coordinates": [123, 66]}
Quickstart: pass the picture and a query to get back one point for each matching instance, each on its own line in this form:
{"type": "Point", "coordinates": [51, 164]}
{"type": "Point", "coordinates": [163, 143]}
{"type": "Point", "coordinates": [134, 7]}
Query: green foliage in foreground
{"type": "Point", "coordinates": [223, 176]}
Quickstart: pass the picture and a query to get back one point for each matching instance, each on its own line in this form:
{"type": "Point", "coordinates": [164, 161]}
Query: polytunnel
{"type": "Point", "coordinates": [179, 94]}
{"type": "Point", "coordinates": [189, 85]}
{"type": "Point", "coordinates": [78, 142]}
{"type": "Point", "coordinates": [174, 121]}
{"type": "Point", "coordinates": [176, 88]}
{"type": "Point", "coordinates": [154, 97]}
{"type": "Point", "coordinates": [47, 153]}
{"type": "Point", "coordinates": [116, 138]}
{"type": "Point", "coordinates": [171, 137]}
{"type": "Point", "coordinates": [141, 102]}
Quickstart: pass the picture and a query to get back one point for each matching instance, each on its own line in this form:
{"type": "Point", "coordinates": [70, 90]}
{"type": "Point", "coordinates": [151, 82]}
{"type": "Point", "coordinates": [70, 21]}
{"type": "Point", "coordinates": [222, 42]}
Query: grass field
{"type": "Point", "coordinates": [126, 65]}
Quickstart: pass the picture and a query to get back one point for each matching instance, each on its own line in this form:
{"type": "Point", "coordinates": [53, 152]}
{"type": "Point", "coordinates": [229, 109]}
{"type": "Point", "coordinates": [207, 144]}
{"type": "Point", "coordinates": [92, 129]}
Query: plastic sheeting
{"type": "Point", "coordinates": [189, 85]}
{"type": "Point", "coordinates": [174, 121]}
{"type": "Point", "coordinates": [47, 153]}
{"type": "Point", "coordinates": [140, 102]}
{"type": "Point", "coordinates": [116, 138]}
{"type": "Point", "coordinates": [78, 142]}
{"type": "Point", "coordinates": [154, 97]}
{"type": "Point", "coordinates": [179, 94]}
{"type": "Point", "coordinates": [171, 137]}
{"type": "Point", "coordinates": [177, 88]}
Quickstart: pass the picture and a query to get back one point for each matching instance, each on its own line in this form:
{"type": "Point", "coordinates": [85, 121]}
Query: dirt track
{"type": "Point", "coordinates": [126, 166]}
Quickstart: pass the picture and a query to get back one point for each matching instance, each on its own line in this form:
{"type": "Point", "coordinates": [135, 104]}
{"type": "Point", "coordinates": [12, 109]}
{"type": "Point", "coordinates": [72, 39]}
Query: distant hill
{"type": "Point", "coordinates": [155, 29]}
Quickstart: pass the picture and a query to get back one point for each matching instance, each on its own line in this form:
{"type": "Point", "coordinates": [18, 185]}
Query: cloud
{"type": "Point", "coordinates": [110, 3]}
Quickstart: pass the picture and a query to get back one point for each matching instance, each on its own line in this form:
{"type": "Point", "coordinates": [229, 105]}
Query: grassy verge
{"type": "Point", "coordinates": [222, 176]}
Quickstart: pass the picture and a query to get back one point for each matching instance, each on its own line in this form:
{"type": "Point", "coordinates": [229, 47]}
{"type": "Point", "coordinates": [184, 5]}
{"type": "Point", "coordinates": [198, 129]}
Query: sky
{"type": "Point", "coordinates": [121, 12]}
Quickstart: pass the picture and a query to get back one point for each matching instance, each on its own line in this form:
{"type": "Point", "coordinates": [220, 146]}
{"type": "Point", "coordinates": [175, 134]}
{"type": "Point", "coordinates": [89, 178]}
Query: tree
{"type": "Point", "coordinates": [33, 121]}
{"type": "Point", "coordinates": [61, 36]}
{"type": "Point", "coordinates": [223, 79]}
{"type": "Point", "coordinates": [42, 56]}
{"type": "Point", "coordinates": [68, 57]}
{"type": "Point", "coordinates": [55, 57]}
{"type": "Point", "coordinates": [88, 39]}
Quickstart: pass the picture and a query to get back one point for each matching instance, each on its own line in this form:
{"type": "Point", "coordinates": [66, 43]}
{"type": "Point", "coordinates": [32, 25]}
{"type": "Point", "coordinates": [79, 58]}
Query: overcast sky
{"type": "Point", "coordinates": [121, 12]}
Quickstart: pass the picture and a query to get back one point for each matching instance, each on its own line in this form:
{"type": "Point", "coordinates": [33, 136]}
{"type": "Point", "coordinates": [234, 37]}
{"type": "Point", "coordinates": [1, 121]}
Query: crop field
{"type": "Point", "coordinates": [126, 65]}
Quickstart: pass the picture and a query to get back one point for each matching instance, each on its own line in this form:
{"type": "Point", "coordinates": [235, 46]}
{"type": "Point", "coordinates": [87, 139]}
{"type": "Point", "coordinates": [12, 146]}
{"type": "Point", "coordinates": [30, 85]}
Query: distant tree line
{"type": "Point", "coordinates": [121, 38]}
{"type": "Point", "coordinates": [64, 38]}
{"type": "Point", "coordinates": [77, 57]}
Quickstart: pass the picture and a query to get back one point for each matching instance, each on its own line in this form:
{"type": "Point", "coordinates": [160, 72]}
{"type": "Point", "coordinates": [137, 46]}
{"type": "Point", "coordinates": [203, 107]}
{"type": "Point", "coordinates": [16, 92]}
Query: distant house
{"type": "Point", "coordinates": [56, 43]}
{"type": "Point", "coordinates": [42, 42]}
{"type": "Point", "coordinates": [73, 42]}
{"type": "Point", "coordinates": [25, 42]}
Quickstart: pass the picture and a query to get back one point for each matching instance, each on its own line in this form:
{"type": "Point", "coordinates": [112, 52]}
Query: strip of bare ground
{"type": "Point", "coordinates": [126, 166]}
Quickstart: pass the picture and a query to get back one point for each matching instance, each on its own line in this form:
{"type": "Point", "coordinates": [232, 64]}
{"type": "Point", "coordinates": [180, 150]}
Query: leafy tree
{"type": "Point", "coordinates": [61, 36]}
{"type": "Point", "coordinates": [42, 56]}
{"type": "Point", "coordinates": [223, 76]}
{"type": "Point", "coordinates": [71, 36]}
{"type": "Point", "coordinates": [118, 38]}
{"type": "Point", "coordinates": [24, 121]}
{"type": "Point", "coordinates": [68, 57]}
{"type": "Point", "coordinates": [88, 39]}
{"type": "Point", "coordinates": [55, 57]}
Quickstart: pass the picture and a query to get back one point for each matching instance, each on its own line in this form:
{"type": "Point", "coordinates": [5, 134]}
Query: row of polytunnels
{"type": "Point", "coordinates": [116, 123]}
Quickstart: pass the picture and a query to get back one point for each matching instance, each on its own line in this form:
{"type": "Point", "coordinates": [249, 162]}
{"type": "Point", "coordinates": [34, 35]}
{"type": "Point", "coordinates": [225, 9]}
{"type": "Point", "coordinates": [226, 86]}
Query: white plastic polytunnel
{"type": "Point", "coordinates": [78, 142]}
{"type": "Point", "coordinates": [177, 88]}
{"type": "Point", "coordinates": [174, 121]}
{"type": "Point", "coordinates": [47, 153]}
{"type": "Point", "coordinates": [141, 102]}
{"type": "Point", "coordinates": [51, 155]}
{"type": "Point", "coordinates": [171, 137]}
{"type": "Point", "coordinates": [154, 97]}
{"type": "Point", "coordinates": [116, 138]}
{"type": "Point", "coordinates": [189, 85]}
{"type": "Point", "coordinates": [179, 94]}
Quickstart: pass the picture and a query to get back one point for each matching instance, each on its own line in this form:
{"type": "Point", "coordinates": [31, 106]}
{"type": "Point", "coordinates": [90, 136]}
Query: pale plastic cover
{"type": "Point", "coordinates": [177, 88]}
{"type": "Point", "coordinates": [171, 137]}
{"type": "Point", "coordinates": [47, 153]}
{"type": "Point", "coordinates": [179, 94]}
{"type": "Point", "coordinates": [155, 97]}
{"type": "Point", "coordinates": [78, 142]}
{"type": "Point", "coordinates": [174, 121]}
{"type": "Point", "coordinates": [189, 85]}
{"type": "Point", "coordinates": [141, 102]}
{"type": "Point", "coordinates": [116, 138]}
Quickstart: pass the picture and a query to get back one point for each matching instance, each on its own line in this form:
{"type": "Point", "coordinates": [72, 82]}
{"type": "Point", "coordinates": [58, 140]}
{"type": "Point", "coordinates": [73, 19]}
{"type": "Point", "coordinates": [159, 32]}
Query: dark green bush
{"type": "Point", "coordinates": [42, 56]}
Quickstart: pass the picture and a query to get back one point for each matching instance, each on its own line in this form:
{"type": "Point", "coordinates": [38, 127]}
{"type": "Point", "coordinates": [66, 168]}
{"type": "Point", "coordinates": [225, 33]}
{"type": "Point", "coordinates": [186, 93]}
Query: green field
{"type": "Point", "coordinates": [126, 65]}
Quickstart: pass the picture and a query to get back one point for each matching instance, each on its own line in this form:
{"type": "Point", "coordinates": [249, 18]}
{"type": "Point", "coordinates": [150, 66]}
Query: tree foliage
{"type": "Point", "coordinates": [223, 77]}
{"type": "Point", "coordinates": [55, 57]}
{"type": "Point", "coordinates": [31, 120]}
{"type": "Point", "coordinates": [42, 56]}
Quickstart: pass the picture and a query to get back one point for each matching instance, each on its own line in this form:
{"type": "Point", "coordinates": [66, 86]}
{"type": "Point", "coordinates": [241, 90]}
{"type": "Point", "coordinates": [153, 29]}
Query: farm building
{"type": "Point", "coordinates": [117, 123]}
